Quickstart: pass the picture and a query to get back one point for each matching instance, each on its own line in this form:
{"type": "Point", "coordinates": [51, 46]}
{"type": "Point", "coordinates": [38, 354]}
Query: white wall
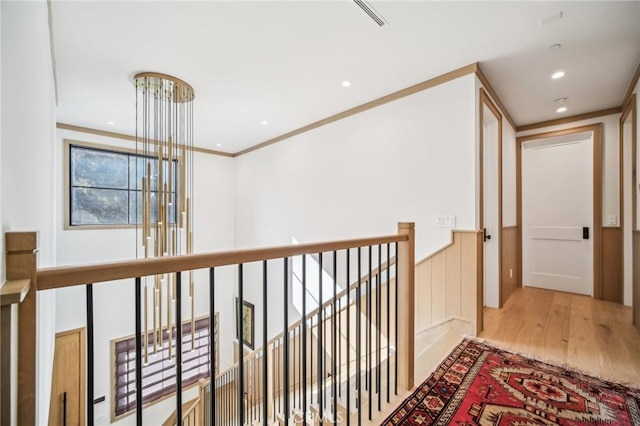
{"type": "Point", "coordinates": [28, 118]}
{"type": "Point", "coordinates": [508, 175]}
{"type": "Point", "coordinates": [408, 160]}
{"type": "Point", "coordinates": [114, 301]}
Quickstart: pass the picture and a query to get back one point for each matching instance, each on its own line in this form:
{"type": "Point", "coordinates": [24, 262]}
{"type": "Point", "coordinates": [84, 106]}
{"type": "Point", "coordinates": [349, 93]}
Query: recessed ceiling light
{"type": "Point", "coordinates": [561, 109]}
{"type": "Point", "coordinates": [218, 144]}
{"type": "Point", "coordinates": [346, 83]}
{"type": "Point", "coordinates": [111, 123]}
{"type": "Point", "coordinates": [558, 74]}
{"type": "Point", "coordinates": [265, 122]}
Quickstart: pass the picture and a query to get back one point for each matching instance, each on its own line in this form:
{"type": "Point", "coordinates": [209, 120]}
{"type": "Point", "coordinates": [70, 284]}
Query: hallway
{"type": "Point", "coordinates": [590, 335]}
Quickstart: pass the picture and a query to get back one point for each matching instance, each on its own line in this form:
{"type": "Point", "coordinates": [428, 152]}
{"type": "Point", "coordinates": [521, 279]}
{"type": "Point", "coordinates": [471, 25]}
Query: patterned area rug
{"type": "Point", "coordinates": [479, 384]}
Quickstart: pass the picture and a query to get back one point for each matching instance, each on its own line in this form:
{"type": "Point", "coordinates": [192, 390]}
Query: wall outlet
{"type": "Point", "coordinates": [445, 221]}
{"type": "Point", "coordinates": [612, 219]}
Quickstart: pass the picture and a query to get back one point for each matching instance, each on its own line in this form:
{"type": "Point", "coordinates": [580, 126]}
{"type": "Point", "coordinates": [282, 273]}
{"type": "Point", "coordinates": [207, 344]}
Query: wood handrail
{"type": "Point", "coordinates": [59, 277]}
{"type": "Point", "coordinates": [14, 291]}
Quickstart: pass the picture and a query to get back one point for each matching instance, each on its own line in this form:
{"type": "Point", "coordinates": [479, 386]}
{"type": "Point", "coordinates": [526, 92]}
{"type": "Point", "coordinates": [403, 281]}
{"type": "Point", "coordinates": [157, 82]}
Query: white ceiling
{"type": "Point", "coordinates": [284, 61]}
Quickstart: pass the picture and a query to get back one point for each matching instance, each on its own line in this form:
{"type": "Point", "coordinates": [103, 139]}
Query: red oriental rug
{"type": "Point", "coordinates": [479, 384]}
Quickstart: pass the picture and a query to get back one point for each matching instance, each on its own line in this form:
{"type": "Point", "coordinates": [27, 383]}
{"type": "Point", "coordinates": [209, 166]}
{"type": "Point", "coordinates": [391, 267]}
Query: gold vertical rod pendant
{"type": "Point", "coordinates": [146, 324]}
{"type": "Point", "coordinates": [165, 220]}
{"type": "Point", "coordinates": [188, 224]}
{"type": "Point", "coordinates": [159, 292]}
{"type": "Point", "coordinates": [183, 185]}
{"type": "Point", "coordinates": [170, 166]}
{"type": "Point", "coordinates": [144, 216]}
{"type": "Point", "coordinates": [148, 202]}
{"type": "Point", "coordinates": [169, 326]}
{"type": "Point", "coordinates": [193, 321]}
{"type": "Point", "coordinates": [164, 130]}
{"type": "Point", "coordinates": [154, 290]}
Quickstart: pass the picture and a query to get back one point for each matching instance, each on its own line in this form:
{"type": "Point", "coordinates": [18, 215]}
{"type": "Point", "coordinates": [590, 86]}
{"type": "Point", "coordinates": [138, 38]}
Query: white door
{"type": "Point", "coordinates": [557, 213]}
{"type": "Point", "coordinates": [490, 209]}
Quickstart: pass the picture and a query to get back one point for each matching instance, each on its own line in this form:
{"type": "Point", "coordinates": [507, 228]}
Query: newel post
{"type": "Point", "coordinates": [406, 305]}
{"type": "Point", "coordinates": [21, 250]}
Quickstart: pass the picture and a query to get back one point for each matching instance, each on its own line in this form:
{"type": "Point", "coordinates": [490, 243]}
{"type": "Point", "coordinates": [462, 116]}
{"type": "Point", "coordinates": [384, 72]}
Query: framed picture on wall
{"type": "Point", "coordinates": [247, 323]}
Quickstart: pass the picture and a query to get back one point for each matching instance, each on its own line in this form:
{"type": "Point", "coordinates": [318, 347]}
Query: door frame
{"type": "Point", "coordinates": [485, 100]}
{"type": "Point", "coordinates": [629, 111]}
{"type": "Point", "coordinates": [596, 130]}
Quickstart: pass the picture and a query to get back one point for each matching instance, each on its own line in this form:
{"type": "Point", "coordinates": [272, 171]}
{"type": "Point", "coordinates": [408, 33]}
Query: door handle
{"type": "Point", "coordinates": [585, 233]}
{"type": "Point", "coordinates": [64, 409]}
{"type": "Point", "coordinates": [485, 236]}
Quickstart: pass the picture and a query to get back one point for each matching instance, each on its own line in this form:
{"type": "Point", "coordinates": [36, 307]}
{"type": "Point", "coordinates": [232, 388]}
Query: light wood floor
{"type": "Point", "coordinates": [587, 334]}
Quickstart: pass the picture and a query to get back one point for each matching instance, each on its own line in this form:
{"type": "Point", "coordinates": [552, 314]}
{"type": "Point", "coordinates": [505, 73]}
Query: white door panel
{"type": "Point", "coordinates": [491, 254]}
{"type": "Point", "coordinates": [556, 233]}
{"type": "Point", "coordinates": [557, 202]}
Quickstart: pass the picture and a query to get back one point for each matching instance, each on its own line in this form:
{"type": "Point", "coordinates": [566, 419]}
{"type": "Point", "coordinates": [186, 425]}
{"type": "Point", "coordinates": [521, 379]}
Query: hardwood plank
{"type": "Point", "coordinates": [438, 284]}
{"type": "Point", "coordinates": [468, 278]}
{"type": "Point", "coordinates": [636, 279]}
{"type": "Point", "coordinates": [453, 275]}
{"type": "Point", "coordinates": [612, 280]}
{"type": "Point", "coordinates": [510, 272]}
{"type": "Point", "coordinates": [428, 294]}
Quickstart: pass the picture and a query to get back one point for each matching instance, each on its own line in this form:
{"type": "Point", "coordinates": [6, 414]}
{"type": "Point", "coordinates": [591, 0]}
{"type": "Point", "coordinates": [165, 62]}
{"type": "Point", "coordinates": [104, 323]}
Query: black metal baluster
{"type": "Point", "coordinates": [378, 324]}
{"type": "Point", "coordinates": [304, 336]}
{"type": "Point", "coordinates": [90, 361]}
{"type": "Point", "coordinates": [276, 393]}
{"type": "Point", "coordinates": [358, 314]}
{"type": "Point", "coordinates": [396, 322]}
{"type": "Point", "coordinates": [334, 392]}
{"type": "Point", "coordinates": [348, 341]}
{"type": "Point", "coordinates": [240, 377]}
{"type": "Point", "coordinates": [340, 345]}
{"type": "Point", "coordinates": [212, 340]}
{"type": "Point", "coordinates": [286, 341]}
{"type": "Point", "coordinates": [265, 363]}
{"type": "Point", "coordinates": [369, 335]}
{"type": "Point", "coordinates": [138, 302]}
{"type": "Point", "coordinates": [301, 386]}
{"type": "Point", "coordinates": [178, 297]}
{"type": "Point", "coordinates": [296, 371]}
{"type": "Point", "coordinates": [388, 319]}
{"type": "Point", "coordinates": [311, 357]}
{"type": "Point", "coordinates": [320, 341]}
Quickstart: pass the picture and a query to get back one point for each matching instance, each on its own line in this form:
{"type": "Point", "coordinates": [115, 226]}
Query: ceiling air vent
{"type": "Point", "coordinates": [377, 18]}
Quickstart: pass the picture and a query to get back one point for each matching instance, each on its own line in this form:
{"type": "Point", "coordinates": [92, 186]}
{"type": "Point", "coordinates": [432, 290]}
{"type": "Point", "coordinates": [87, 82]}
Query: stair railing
{"type": "Point", "coordinates": [289, 361]}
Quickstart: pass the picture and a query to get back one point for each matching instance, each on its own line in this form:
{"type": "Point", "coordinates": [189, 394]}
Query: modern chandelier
{"type": "Point", "coordinates": [164, 207]}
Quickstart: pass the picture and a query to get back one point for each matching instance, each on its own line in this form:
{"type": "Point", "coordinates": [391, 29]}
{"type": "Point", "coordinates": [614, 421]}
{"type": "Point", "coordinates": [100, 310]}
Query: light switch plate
{"type": "Point", "coordinates": [612, 219]}
{"type": "Point", "coordinates": [445, 221]}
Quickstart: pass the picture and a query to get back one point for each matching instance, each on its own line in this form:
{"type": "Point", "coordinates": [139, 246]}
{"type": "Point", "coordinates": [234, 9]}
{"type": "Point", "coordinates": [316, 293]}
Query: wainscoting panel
{"type": "Point", "coordinates": [449, 283]}
{"type": "Point", "coordinates": [510, 255]}
{"type": "Point", "coordinates": [636, 279]}
{"type": "Point", "coordinates": [612, 280]}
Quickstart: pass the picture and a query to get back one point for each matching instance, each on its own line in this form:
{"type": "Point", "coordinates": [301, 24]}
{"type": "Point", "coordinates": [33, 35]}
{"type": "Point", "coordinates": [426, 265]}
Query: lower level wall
{"type": "Point", "coordinates": [449, 283]}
